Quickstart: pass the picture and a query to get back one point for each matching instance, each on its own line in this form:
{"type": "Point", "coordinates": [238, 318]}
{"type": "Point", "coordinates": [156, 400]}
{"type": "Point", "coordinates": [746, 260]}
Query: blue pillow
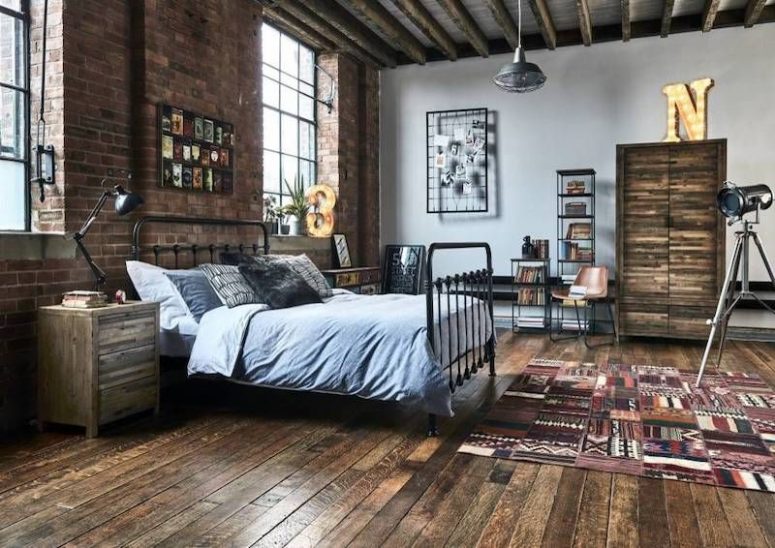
{"type": "Point", "coordinates": [195, 290]}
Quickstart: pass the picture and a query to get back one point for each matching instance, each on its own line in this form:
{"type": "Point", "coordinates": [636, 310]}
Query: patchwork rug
{"type": "Point", "coordinates": [636, 419]}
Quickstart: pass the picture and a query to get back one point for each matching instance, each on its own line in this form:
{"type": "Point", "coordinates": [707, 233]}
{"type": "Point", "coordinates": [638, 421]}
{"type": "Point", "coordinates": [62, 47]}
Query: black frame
{"type": "Point", "coordinates": [417, 282]}
{"type": "Point", "coordinates": [24, 16]}
{"type": "Point", "coordinates": [430, 168]}
{"type": "Point", "coordinates": [335, 251]}
{"type": "Point", "coordinates": [299, 119]}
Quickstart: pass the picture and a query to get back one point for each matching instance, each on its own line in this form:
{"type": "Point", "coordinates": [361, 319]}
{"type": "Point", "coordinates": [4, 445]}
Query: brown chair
{"type": "Point", "coordinates": [595, 279]}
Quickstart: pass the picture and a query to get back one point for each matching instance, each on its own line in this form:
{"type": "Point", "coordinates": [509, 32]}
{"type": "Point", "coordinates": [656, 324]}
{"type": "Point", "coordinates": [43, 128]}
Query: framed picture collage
{"type": "Point", "coordinates": [197, 152]}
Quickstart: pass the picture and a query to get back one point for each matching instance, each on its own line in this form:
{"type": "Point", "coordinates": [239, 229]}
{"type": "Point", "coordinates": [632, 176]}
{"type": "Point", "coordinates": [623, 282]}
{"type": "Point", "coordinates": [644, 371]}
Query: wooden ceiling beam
{"type": "Point", "coordinates": [753, 11]}
{"type": "Point", "coordinates": [381, 19]}
{"type": "Point", "coordinates": [585, 21]}
{"type": "Point", "coordinates": [423, 20]}
{"type": "Point", "coordinates": [545, 22]}
{"type": "Point", "coordinates": [341, 30]}
{"type": "Point", "coordinates": [465, 22]}
{"type": "Point", "coordinates": [667, 17]}
{"type": "Point", "coordinates": [289, 24]}
{"type": "Point", "coordinates": [709, 14]}
{"type": "Point", "coordinates": [626, 25]}
{"type": "Point", "coordinates": [501, 15]}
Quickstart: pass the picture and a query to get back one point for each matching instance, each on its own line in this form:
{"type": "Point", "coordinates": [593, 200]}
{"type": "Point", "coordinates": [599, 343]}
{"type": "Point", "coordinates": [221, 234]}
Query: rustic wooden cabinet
{"type": "Point", "coordinates": [97, 365]}
{"type": "Point", "coordinates": [671, 240]}
{"type": "Point", "coordinates": [364, 280]}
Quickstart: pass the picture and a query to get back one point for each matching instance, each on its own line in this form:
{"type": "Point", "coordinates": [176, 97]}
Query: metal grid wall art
{"type": "Point", "coordinates": [456, 142]}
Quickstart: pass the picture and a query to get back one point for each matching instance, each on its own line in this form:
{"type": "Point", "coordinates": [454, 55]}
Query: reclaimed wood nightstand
{"type": "Point", "coordinates": [97, 365]}
{"type": "Point", "coordinates": [364, 280]}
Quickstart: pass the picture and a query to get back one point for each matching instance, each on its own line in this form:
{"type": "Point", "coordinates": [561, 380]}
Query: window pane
{"type": "Point", "coordinates": [11, 123]}
{"type": "Point", "coordinates": [306, 107]}
{"type": "Point", "coordinates": [271, 91]}
{"type": "Point", "coordinates": [306, 65]}
{"type": "Point", "coordinates": [290, 81]}
{"type": "Point", "coordinates": [12, 190]}
{"type": "Point", "coordinates": [306, 172]}
{"type": "Point", "coordinates": [308, 89]}
{"type": "Point", "coordinates": [11, 50]}
{"type": "Point", "coordinates": [270, 40]}
{"type": "Point", "coordinates": [271, 171]}
{"type": "Point", "coordinates": [271, 72]}
{"type": "Point", "coordinates": [290, 171]}
{"type": "Point", "coordinates": [289, 100]}
{"type": "Point", "coordinates": [290, 135]}
{"type": "Point", "coordinates": [271, 129]}
{"type": "Point", "coordinates": [306, 140]}
{"type": "Point", "coordinates": [289, 55]}
{"type": "Point", "coordinates": [15, 5]}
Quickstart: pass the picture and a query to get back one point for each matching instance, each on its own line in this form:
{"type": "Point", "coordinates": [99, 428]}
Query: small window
{"type": "Point", "coordinates": [14, 115]}
{"type": "Point", "coordinates": [289, 90]}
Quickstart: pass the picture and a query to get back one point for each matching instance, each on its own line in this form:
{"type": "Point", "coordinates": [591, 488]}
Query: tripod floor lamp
{"type": "Point", "coordinates": [734, 202]}
{"type": "Point", "coordinates": [125, 202]}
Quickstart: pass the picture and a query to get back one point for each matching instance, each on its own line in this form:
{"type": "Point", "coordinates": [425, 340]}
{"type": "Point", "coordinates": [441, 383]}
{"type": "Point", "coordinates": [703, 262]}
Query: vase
{"type": "Point", "coordinates": [284, 229]}
{"type": "Point", "coordinates": [294, 227]}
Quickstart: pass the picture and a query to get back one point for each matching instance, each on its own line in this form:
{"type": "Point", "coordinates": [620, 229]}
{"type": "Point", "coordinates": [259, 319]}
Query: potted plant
{"type": "Point", "coordinates": [298, 207]}
{"type": "Point", "coordinates": [272, 214]}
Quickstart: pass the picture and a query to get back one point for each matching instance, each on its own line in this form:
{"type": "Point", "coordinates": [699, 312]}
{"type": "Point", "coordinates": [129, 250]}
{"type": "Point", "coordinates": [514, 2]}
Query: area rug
{"type": "Point", "coordinates": [636, 419]}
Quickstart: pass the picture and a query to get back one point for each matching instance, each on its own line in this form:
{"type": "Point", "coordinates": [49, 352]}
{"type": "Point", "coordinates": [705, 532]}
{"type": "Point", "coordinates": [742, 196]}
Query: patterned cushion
{"type": "Point", "coordinates": [304, 267]}
{"type": "Point", "coordinates": [230, 285]}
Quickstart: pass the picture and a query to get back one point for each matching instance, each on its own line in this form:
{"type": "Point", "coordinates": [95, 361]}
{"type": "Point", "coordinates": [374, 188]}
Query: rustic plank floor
{"type": "Point", "coordinates": [238, 466]}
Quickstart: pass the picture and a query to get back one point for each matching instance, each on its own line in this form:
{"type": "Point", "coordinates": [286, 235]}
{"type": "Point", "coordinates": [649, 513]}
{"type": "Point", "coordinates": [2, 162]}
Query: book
{"type": "Point", "coordinates": [577, 291]}
{"type": "Point", "coordinates": [575, 187]}
{"type": "Point", "coordinates": [579, 231]}
{"type": "Point", "coordinates": [84, 299]}
{"type": "Point", "coordinates": [575, 208]}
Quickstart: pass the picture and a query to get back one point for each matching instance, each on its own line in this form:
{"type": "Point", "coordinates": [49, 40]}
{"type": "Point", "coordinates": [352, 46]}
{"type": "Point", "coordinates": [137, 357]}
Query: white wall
{"type": "Point", "coordinates": [594, 98]}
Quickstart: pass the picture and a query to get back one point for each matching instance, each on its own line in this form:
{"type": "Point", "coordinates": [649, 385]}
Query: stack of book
{"type": "Point", "coordinates": [541, 249]}
{"type": "Point", "coordinates": [84, 299]}
{"type": "Point", "coordinates": [530, 275]}
{"type": "Point", "coordinates": [575, 253]}
{"type": "Point", "coordinates": [576, 187]}
{"type": "Point", "coordinates": [572, 324]}
{"type": "Point", "coordinates": [568, 278]}
{"type": "Point", "coordinates": [531, 322]}
{"type": "Point", "coordinates": [528, 296]}
{"type": "Point", "coordinates": [579, 231]}
{"type": "Point", "coordinates": [576, 208]}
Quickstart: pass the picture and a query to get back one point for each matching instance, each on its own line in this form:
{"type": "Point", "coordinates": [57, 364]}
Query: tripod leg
{"type": "Point", "coordinates": [766, 261]}
{"type": "Point", "coordinates": [729, 305]}
{"type": "Point", "coordinates": [731, 275]}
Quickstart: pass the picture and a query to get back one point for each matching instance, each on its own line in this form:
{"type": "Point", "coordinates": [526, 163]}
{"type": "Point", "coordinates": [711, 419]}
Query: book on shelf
{"type": "Point", "coordinates": [84, 299]}
{"type": "Point", "coordinates": [574, 252]}
{"type": "Point", "coordinates": [577, 291]}
{"type": "Point", "coordinates": [575, 187]}
{"type": "Point", "coordinates": [579, 231]}
{"type": "Point", "coordinates": [530, 275]}
{"type": "Point", "coordinates": [531, 296]}
{"type": "Point", "coordinates": [531, 321]}
{"type": "Point", "coordinates": [568, 278]}
{"type": "Point", "coordinates": [576, 208]}
{"type": "Point", "coordinates": [573, 325]}
{"type": "Point", "coordinates": [571, 303]}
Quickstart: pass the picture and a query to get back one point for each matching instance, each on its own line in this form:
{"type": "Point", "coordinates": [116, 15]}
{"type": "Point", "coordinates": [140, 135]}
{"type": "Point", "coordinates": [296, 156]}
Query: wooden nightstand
{"type": "Point", "coordinates": [365, 280]}
{"type": "Point", "coordinates": [97, 365]}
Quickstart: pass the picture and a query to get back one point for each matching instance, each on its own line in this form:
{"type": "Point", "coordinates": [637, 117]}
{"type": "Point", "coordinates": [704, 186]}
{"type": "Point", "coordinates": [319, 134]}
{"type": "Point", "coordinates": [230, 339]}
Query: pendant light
{"type": "Point", "coordinates": [520, 76]}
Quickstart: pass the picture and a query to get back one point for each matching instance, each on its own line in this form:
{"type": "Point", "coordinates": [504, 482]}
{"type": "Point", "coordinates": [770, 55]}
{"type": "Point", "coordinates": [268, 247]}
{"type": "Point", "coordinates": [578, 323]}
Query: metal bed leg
{"type": "Point", "coordinates": [491, 355]}
{"type": "Point", "coordinates": [433, 431]}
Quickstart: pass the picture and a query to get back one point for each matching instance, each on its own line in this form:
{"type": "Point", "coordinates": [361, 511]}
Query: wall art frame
{"type": "Point", "coordinates": [196, 152]}
{"type": "Point", "coordinates": [457, 161]}
{"type": "Point", "coordinates": [402, 269]}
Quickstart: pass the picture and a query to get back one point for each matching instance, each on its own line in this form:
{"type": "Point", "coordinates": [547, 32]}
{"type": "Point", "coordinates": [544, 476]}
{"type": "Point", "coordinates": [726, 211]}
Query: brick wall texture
{"type": "Point", "coordinates": [110, 63]}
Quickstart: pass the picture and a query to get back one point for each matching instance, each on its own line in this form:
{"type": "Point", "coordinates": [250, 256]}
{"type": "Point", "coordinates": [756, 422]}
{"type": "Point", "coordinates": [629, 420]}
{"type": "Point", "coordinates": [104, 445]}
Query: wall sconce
{"type": "Point", "coordinates": [45, 168]}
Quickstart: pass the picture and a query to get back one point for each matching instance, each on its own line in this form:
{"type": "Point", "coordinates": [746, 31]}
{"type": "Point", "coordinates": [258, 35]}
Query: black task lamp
{"type": "Point", "coordinates": [125, 202]}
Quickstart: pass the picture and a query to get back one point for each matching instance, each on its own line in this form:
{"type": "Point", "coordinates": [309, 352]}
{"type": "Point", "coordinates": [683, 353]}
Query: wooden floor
{"type": "Point", "coordinates": [244, 466]}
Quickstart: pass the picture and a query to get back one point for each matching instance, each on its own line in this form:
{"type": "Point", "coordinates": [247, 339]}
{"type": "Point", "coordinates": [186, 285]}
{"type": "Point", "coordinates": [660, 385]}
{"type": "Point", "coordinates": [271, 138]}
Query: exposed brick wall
{"type": "Point", "coordinates": [110, 63]}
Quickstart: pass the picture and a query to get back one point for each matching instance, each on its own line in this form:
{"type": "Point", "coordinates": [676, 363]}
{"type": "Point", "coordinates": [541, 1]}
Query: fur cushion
{"type": "Point", "coordinates": [277, 285]}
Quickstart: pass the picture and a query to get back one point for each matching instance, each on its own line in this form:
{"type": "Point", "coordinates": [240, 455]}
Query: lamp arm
{"type": "Point", "coordinates": [93, 215]}
{"type": "Point", "coordinates": [99, 274]}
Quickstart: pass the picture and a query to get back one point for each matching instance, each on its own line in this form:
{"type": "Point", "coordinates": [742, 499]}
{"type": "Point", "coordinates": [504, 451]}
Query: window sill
{"type": "Point", "coordinates": [31, 246]}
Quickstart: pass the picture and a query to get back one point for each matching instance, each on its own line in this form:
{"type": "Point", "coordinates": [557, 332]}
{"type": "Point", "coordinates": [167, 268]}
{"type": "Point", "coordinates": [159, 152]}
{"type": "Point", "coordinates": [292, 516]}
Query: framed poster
{"type": "Point", "coordinates": [196, 152]}
{"type": "Point", "coordinates": [403, 269]}
{"type": "Point", "coordinates": [341, 251]}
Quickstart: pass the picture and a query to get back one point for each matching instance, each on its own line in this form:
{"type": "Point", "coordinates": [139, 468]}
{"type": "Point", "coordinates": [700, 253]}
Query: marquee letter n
{"type": "Point", "coordinates": [692, 110]}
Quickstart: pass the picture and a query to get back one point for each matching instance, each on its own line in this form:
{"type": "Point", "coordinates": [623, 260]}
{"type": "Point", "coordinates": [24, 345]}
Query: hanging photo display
{"type": "Point", "coordinates": [457, 161]}
{"type": "Point", "coordinates": [197, 152]}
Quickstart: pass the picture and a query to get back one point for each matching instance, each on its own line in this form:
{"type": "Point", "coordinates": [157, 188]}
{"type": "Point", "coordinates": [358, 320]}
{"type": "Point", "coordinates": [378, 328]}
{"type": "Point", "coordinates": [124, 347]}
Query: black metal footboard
{"type": "Point", "coordinates": [466, 348]}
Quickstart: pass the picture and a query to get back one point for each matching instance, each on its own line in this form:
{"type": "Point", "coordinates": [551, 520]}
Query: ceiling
{"type": "Point", "coordinates": [385, 33]}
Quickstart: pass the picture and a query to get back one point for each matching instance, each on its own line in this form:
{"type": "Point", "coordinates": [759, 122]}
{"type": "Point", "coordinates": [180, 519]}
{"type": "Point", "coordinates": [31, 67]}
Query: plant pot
{"type": "Point", "coordinates": [285, 230]}
{"type": "Point", "coordinates": [294, 227]}
{"type": "Point", "coordinates": [273, 228]}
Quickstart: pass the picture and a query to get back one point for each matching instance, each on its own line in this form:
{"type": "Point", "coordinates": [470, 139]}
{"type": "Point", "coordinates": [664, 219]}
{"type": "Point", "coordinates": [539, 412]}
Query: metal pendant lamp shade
{"type": "Point", "coordinates": [126, 201]}
{"type": "Point", "coordinates": [520, 76]}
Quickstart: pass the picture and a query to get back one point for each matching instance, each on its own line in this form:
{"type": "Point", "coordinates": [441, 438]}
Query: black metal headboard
{"type": "Point", "coordinates": [195, 249]}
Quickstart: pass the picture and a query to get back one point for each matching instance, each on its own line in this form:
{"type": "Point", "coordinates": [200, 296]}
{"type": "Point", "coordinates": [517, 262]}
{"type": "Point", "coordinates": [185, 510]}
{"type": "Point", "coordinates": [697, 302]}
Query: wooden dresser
{"type": "Point", "coordinates": [97, 365]}
{"type": "Point", "coordinates": [365, 280]}
{"type": "Point", "coordinates": [671, 240]}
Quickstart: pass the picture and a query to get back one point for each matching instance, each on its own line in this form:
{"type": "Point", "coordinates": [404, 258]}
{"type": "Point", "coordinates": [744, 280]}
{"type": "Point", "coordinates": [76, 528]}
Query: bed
{"type": "Point", "coordinates": [413, 349]}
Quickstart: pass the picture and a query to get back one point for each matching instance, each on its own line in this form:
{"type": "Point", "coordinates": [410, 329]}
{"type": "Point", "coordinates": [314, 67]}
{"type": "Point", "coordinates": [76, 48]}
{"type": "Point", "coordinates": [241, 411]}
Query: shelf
{"type": "Point", "coordinates": [532, 284]}
{"type": "Point", "coordinates": [576, 216]}
{"type": "Point", "coordinates": [576, 239]}
{"type": "Point", "coordinates": [575, 261]}
{"type": "Point", "coordinates": [583, 195]}
{"type": "Point", "coordinates": [530, 260]}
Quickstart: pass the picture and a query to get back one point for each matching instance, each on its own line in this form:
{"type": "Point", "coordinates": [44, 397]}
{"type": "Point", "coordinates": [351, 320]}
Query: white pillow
{"type": "Point", "coordinates": [152, 285]}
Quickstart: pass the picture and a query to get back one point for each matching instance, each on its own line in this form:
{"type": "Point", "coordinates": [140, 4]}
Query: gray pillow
{"type": "Point", "coordinates": [277, 285]}
{"type": "Point", "coordinates": [304, 267]}
{"type": "Point", "coordinates": [230, 285]}
{"type": "Point", "coordinates": [195, 290]}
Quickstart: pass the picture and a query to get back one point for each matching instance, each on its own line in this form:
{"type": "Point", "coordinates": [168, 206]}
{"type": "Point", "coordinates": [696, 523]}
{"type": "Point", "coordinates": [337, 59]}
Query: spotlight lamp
{"type": "Point", "coordinates": [735, 201]}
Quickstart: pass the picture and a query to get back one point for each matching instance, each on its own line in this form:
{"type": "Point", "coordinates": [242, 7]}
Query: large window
{"type": "Point", "coordinates": [14, 114]}
{"type": "Point", "coordinates": [289, 113]}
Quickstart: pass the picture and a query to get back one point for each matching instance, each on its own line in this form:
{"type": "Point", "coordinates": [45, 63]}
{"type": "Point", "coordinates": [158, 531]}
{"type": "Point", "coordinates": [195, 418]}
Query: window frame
{"type": "Point", "coordinates": [25, 18]}
{"type": "Point", "coordinates": [299, 120]}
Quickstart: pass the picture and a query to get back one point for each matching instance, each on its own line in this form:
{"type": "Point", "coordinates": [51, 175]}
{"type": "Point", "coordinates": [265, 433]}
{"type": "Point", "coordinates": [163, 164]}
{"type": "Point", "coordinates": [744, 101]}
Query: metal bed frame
{"type": "Point", "coordinates": [452, 289]}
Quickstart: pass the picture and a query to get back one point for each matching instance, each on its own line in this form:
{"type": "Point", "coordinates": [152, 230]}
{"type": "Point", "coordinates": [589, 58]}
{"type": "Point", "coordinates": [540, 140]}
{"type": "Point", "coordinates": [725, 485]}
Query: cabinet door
{"type": "Point", "coordinates": [694, 245]}
{"type": "Point", "coordinates": [643, 200]}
